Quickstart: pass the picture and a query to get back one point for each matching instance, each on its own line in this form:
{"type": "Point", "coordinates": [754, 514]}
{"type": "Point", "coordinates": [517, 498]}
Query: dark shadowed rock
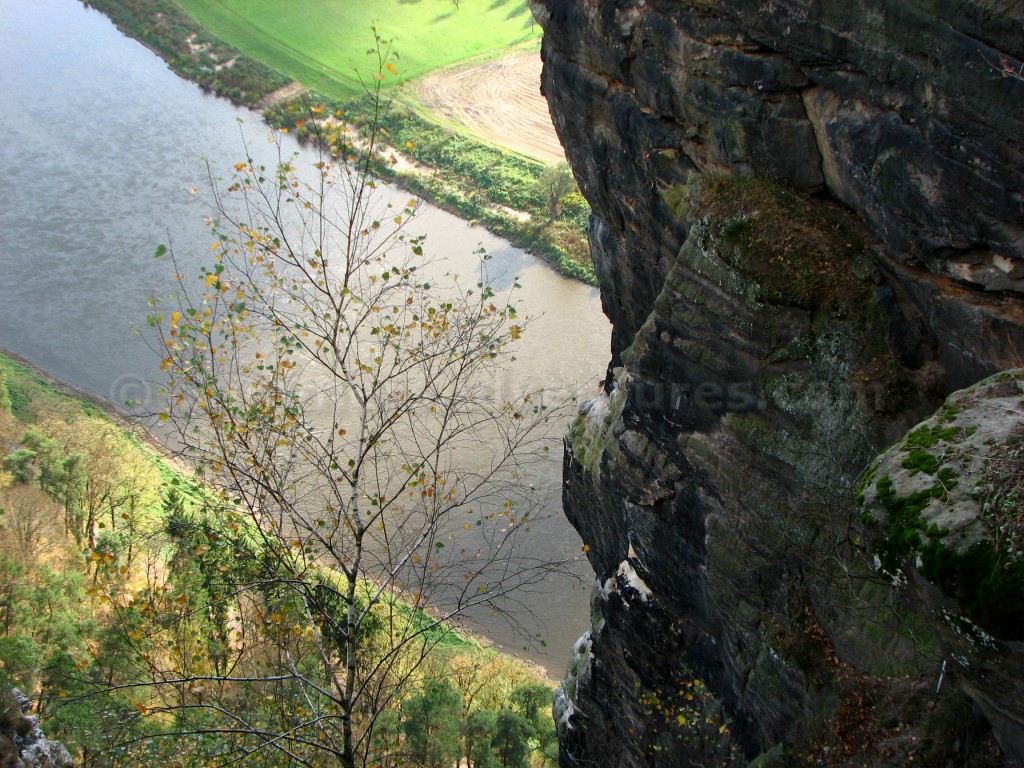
{"type": "Point", "coordinates": [808, 231]}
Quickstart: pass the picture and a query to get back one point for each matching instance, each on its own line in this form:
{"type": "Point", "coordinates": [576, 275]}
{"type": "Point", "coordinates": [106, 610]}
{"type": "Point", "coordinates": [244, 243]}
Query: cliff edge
{"type": "Point", "coordinates": [808, 225]}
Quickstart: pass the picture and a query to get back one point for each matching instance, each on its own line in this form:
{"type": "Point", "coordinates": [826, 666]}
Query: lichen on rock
{"type": "Point", "coordinates": [22, 743]}
{"type": "Point", "coordinates": [945, 501]}
{"type": "Point", "coordinates": [808, 230]}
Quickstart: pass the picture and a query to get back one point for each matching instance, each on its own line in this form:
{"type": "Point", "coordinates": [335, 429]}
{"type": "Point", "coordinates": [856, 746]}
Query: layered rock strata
{"type": "Point", "coordinates": [808, 223]}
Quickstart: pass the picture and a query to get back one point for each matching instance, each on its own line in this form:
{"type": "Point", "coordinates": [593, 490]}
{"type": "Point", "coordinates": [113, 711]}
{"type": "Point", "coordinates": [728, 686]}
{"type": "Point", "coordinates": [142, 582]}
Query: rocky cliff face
{"type": "Point", "coordinates": [22, 744]}
{"type": "Point", "coordinates": [809, 230]}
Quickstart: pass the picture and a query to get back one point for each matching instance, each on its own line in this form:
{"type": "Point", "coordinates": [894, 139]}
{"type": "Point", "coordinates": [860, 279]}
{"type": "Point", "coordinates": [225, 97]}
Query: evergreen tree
{"type": "Point", "coordinates": [430, 722]}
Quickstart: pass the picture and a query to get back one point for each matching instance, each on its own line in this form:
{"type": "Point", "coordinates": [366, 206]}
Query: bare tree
{"type": "Point", "coordinates": [341, 392]}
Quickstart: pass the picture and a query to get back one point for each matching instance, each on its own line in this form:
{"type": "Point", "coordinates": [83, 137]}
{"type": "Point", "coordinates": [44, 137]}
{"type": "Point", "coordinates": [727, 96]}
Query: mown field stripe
{"type": "Point", "coordinates": [323, 45]}
{"type": "Point", "coordinates": [252, 41]}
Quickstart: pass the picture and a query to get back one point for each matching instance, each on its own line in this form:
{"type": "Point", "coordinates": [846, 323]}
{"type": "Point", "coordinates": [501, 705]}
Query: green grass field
{"type": "Point", "coordinates": [323, 43]}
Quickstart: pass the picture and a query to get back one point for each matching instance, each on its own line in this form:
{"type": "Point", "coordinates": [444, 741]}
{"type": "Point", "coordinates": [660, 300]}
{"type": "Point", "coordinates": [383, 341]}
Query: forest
{"type": "Point", "coordinates": [122, 605]}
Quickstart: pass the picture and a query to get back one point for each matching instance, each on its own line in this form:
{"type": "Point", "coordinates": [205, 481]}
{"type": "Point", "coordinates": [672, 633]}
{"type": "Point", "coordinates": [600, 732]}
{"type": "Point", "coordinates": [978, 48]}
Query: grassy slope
{"type": "Point", "coordinates": [323, 43]}
{"type": "Point", "coordinates": [35, 396]}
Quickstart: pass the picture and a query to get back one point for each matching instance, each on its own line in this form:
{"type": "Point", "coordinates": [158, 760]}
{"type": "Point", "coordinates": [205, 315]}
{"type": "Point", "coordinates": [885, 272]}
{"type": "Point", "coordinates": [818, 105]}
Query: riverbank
{"type": "Point", "coordinates": [499, 189]}
{"type": "Point", "coordinates": [118, 567]}
{"type": "Point", "coordinates": [74, 288]}
{"type": "Point", "coordinates": [35, 395]}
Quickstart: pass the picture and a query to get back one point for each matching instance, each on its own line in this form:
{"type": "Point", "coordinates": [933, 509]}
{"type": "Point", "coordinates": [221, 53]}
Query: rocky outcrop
{"type": "Point", "coordinates": [808, 229]}
{"type": "Point", "coordinates": [945, 514]}
{"type": "Point", "coordinates": [22, 744]}
{"type": "Point", "coordinates": [898, 112]}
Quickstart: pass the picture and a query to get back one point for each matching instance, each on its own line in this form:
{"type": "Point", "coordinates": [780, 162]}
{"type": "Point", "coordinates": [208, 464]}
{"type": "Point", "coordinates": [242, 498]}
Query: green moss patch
{"type": "Point", "coordinates": [907, 535]}
{"type": "Point", "coordinates": [795, 249]}
{"type": "Point", "coordinates": [988, 584]}
{"type": "Point", "coordinates": [929, 437]}
{"type": "Point", "coordinates": [987, 579]}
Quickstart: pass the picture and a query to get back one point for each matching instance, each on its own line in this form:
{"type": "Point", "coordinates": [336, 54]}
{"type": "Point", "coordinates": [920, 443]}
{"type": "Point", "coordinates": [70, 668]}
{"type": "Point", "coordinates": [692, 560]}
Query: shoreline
{"type": "Point", "coordinates": [446, 187]}
{"type": "Point", "coordinates": [125, 421]}
{"type": "Point", "coordinates": [119, 416]}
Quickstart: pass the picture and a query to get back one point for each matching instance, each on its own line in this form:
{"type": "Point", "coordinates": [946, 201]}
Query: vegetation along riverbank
{"type": "Point", "coordinates": [535, 206]}
{"type": "Point", "coordinates": [121, 603]}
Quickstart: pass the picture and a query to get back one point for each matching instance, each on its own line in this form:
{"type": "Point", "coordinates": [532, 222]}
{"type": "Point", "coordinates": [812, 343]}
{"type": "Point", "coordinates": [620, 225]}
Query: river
{"type": "Point", "coordinates": [102, 142]}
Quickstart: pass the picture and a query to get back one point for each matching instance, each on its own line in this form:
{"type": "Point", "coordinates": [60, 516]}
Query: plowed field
{"type": "Point", "coordinates": [498, 101]}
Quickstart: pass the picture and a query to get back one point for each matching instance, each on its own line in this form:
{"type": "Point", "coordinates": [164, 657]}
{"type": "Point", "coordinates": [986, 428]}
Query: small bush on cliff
{"type": "Point", "coordinates": [687, 718]}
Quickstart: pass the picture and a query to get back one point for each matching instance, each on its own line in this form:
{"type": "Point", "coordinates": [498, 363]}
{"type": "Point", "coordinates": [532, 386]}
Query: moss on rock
{"type": "Point", "coordinates": [929, 514]}
{"type": "Point", "coordinates": [796, 251]}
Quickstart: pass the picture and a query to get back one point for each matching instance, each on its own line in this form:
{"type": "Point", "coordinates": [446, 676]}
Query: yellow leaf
{"type": "Point", "coordinates": [410, 145]}
{"type": "Point", "coordinates": [391, 68]}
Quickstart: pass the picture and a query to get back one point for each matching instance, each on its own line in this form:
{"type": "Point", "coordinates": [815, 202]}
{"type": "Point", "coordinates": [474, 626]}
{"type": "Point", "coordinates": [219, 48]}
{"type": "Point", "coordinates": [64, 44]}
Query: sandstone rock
{"type": "Point", "coordinates": [947, 507]}
{"type": "Point", "coordinates": [22, 743]}
{"type": "Point", "coordinates": [769, 340]}
{"type": "Point", "coordinates": [899, 112]}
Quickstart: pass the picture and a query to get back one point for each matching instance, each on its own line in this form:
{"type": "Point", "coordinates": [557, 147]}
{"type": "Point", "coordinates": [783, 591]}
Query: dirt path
{"type": "Point", "coordinates": [293, 90]}
{"type": "Point", "coordinates": [499, 101]}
